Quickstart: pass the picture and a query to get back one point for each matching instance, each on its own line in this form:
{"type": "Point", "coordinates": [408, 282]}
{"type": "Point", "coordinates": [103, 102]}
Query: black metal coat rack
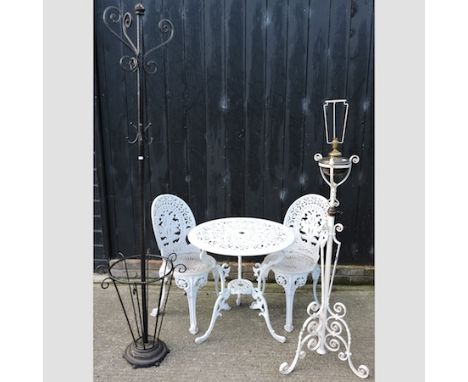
{"type": "Point", "coordinates": [146, 278]}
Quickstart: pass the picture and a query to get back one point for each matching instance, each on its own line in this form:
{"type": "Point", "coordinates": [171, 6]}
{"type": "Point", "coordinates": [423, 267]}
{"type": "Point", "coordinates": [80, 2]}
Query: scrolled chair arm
{"type": "Point", "coordinates": [205, 259]}
{"type": "Point", "coordinates": [224, 269]}
{"type": "Point", "coordinates": [262, 270]}
{"type": "Point", "coordinates": [257, 270]}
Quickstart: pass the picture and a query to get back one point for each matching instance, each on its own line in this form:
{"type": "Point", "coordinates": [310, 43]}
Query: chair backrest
{"type": "Point", "coordinates": [172, 220]}
{"type": "Point", "coordinates": [307, 216]}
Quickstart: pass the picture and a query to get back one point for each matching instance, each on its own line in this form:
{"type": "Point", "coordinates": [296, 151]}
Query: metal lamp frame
{"type": "Point", "coordinates": [325, 328]}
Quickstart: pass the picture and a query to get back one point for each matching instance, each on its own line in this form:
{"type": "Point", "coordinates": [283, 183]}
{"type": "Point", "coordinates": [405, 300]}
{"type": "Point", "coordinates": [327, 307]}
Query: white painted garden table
{"type": "Point", "coordinates": [240, 237]}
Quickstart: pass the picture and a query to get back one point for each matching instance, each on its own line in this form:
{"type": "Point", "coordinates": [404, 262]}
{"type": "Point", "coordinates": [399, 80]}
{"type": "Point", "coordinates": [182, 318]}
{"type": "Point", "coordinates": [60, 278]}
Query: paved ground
{"type": "Point", "coordinates": [240, 346]}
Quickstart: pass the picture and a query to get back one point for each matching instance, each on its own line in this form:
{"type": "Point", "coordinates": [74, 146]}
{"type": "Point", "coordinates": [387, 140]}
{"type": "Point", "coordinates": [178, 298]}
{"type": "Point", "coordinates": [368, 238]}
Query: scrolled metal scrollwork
{"type": "Point", "coordinates": [338, 334]}
{"type": "Point", "coordinates": [112, 17]}
{"type": "Point", "coordinates": [150, 66]}
{"type": "Point", "coordinates": [308, 337]}
{"type": "Point", "coordinates": [129, 63]}
{"type": "Point", "coordinates": [172, 256]}
{"type": "Point", "coordinates": [338, 227]}
{"type": "Point", "coordinates": [140, 134]}
{"type": "Point", "coordinates": [178, 267]}
{"type": "Point", "coordinates": [126, 24]}
{"type": "Point", "coordinates": [354, 158]}
{"type": "Point", "coordinates": [313, 340]}
{"type": "Point", "coordinates": [339, 310]}
{"type": "Point", "coordinates": [106, 283]}
{"type": "Point", "coordinates": [115, 16]}
{"type": "Point", "coordinates": [165, 26]}
{"type": "Point", "coordinates": [313, 308]}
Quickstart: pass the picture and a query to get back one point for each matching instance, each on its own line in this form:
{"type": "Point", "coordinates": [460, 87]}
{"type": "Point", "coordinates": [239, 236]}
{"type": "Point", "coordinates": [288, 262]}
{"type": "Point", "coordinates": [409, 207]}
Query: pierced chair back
{"type": "Point", "coordinates": [172, 220]}
{"type": "Point", "coordinates": [307, 216]}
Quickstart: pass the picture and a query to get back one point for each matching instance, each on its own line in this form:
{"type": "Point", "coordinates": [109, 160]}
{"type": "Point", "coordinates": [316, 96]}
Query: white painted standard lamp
{"type": "Point", "coordinates": [325, 328]}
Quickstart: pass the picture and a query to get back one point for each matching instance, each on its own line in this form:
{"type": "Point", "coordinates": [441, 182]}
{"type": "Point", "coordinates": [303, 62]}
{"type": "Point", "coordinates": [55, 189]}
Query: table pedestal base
{"type": "Point", "coordinates": [321, 332]}
{"type": "Point", "coordinates": [239, 287]}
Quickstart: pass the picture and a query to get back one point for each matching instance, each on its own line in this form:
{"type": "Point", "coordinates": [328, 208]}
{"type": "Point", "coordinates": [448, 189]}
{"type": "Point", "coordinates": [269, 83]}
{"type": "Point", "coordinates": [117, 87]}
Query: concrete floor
{"type": "Point", "coordinates": [240, 346]}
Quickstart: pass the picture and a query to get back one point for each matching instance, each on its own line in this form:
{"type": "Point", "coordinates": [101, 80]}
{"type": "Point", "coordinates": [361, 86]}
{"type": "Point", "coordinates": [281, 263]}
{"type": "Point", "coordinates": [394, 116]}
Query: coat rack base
{"type": "Point", "coordinates": [153, 354]}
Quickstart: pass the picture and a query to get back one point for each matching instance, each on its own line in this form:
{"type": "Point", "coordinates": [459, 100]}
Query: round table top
{"type": "Point", "coordinates": [241, 236]}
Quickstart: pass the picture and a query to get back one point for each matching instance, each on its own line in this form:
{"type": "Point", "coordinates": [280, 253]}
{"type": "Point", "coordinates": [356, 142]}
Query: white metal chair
{"type": "Point", "coordinates": [308, 218]}
{"type": "Point", "coordinates": [172, 219]}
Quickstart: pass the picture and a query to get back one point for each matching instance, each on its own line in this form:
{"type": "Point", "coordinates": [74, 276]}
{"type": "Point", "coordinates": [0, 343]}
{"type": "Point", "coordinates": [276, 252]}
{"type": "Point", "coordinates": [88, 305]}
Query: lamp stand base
{"type": "Point", "coordinates": [152, 355]}
{"type": "Point", "coordinates": [320, 335]}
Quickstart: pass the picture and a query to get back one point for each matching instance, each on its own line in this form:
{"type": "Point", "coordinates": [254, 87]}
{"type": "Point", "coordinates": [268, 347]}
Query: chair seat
{"type": "Point", "coordinates": [294, 261]}
{"type": "Point", "coordinates": [194, 264]}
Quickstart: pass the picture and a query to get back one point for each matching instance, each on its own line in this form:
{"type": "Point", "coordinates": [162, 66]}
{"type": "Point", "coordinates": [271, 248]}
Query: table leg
{"type": "Point", "coordinates": [261, 304]}
{"type": "Point", "coordinates": [239, 277]}
{"type": "Point", "coordinates": [218, 307]}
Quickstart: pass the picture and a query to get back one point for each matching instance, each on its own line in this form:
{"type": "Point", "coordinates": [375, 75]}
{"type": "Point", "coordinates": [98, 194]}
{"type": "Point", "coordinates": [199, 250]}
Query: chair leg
{"type": "Point", "coordinates": [290, 291]}
{"type": "Point", "coordinates": [290, 283]}
{"type": "Point", "coordinates": [192, 305]}
{"type": "Point", "coordinates": [315, 279]}
{"type": "Point", "coordinates": [191, 285]}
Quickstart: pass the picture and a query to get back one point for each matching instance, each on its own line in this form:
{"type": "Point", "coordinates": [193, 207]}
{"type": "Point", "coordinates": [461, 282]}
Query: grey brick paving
{"type": "Point", "coordinates": [240, 346]}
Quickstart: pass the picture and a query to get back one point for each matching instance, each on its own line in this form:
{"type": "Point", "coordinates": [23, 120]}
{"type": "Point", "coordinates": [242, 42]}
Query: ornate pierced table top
{"type": "Point", "coordinates": [241, 236]}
